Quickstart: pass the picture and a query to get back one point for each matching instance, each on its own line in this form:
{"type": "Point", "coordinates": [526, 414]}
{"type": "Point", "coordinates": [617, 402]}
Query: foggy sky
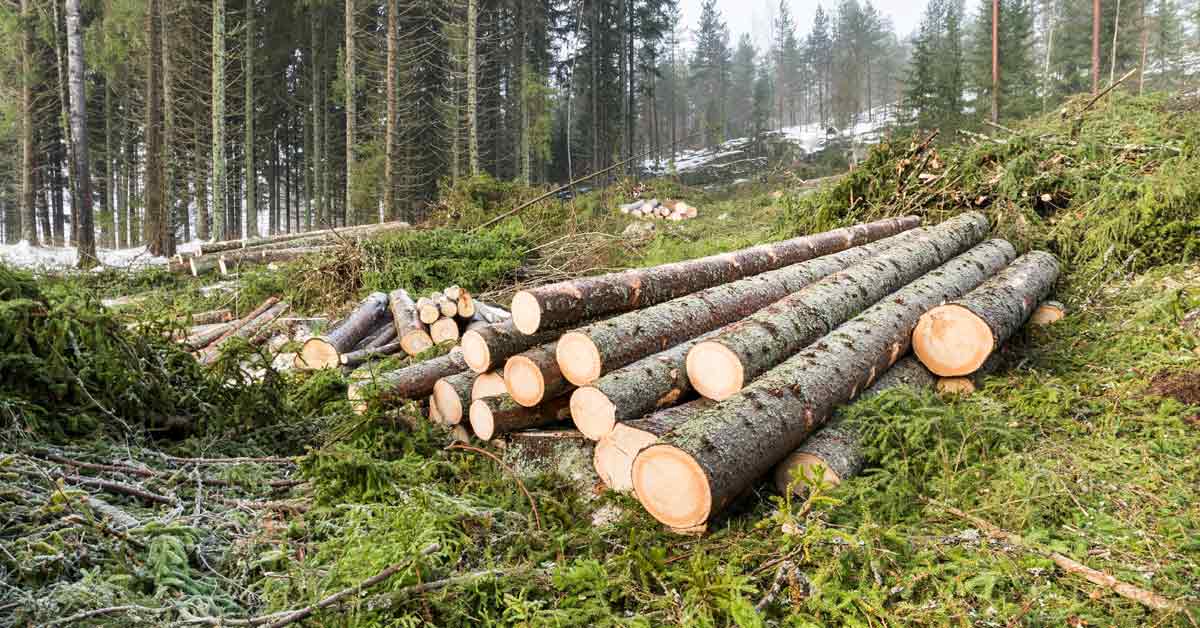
{"type": "Point", "coordinates": [755, 16]}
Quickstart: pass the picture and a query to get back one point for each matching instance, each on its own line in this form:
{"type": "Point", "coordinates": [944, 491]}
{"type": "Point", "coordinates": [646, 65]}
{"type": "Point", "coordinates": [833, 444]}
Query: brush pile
{"type": "Point", "coordinates": [697, 378]}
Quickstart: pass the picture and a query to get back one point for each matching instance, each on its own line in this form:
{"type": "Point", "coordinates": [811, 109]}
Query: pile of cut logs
{"type": "Point", "coordinates": [229, 255]}
{"type": "Point", "coordinates": [667, 210]}
{"type": "Point", "coordinates": [212, 330]}
{"type": "Point", "coordinates": [698, 378]}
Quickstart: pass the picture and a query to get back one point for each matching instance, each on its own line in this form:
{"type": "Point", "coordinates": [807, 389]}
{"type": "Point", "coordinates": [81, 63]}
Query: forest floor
{"type": "Point", "coordinates": [1086, 444]}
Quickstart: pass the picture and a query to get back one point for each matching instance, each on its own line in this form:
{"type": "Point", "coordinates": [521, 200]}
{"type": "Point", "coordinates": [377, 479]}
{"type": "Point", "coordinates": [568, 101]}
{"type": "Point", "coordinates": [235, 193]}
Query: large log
{"type": "Point", "coordinates": [487, 348]}
{"type": "Point", "coordinates": [410, 382]}
{"type": "Point", "coordinates": [534, 376]}
{"type": "Point", "coordinates": [492, 416]}
{"type": "Point", "coordinates": [453, 396]}
{"type": "Point", "coordinates": [721, 366]}
{"type": "Point", "coordinates": [564, 303]}
{"type": "Point", "coordinates": [586, 353]}
{"type": "Point", "coordinates": [230, 262]}
{"type": "Point", "coordinates": [362, 356]}
{"type": "Point", "coordinates": [615, 452]}
{"type": "Point", "coordinates": [955, 339]}
{"type": "Point", "coordinates": [702, 465]}
{"type": "Point", "coordinates": [405, 318]}
{"type": "Point", "coordinates": [326, 350]}
{"type": "Point", "coordinates": [207, 248]}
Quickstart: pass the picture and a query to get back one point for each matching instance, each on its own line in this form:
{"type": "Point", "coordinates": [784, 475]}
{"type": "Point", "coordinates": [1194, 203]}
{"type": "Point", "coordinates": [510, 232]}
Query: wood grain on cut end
{"type": "Point", "coordinates": [449, 402]}
{"type": "Point", "coordinates": [483, 423]}
{"type": "Point", "coordinates": [475, 352]}
{"type": "Point", "coordinates": [488, 385]}
{"type": "Point", "coordinates": [952, 341]}
{"type": "Point", "coordinates": [1048, 313]}
{"type": "Point", "coordinates": [578, 358]}
{"type": "Point", "coordinates": [956, 385]}
{"type": "Point", "coordinates": [593, 412]}
{"type": "Point", "coordinates": [672, 486]}
{"type": "Point", "coordinates": [435, 415]}
{"type": "Point", "coordinates": [715, 371]}
{"type": "Point", "coordinates": [526, 313]}
{"type": "Point", "coordinates": [415, 342]}
{"type": "Point", "coordinates": [524, 381]}
{"type": "Point", "coordinates": [444, 330]}
{"type": "Point", "coordinates": [318, 353]}
{"type": "Point", "coordinates": [802, 465]}
{"type": "Point", "coordinates": [614, 455]}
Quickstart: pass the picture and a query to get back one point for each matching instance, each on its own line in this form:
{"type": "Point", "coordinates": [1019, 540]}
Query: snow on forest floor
{"type": "Point", "coordinates": [24, 255]}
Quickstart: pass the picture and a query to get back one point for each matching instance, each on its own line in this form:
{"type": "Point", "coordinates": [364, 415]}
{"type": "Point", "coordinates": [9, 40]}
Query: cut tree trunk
{"type": "Point", "coordinates": [207, 248]}
{"type": "Point", "coordinates": [614, 454]}
{"type": "Point", "coordinates": [487, 348]}
{"type": "Point", "coordinates": [719, 367]}
{"type": "Point", "coordinates": [447, 307]}
{"type": "Point", "coordinates": [533, 376]}
{"type": "Point", "coordinates": [411, 382]}
{"type": "Point", "coordinates": [213, 316]}
{"type": "Point", "coordinates": [198, 341]}
{"type": "Point", "coordinates": [409, 328]}
{"type": "Point", "coordinates": [701, 466]}
{"type": "Point", "coordinates": [362, 356]}
{"type": "Point", "coordinates": [444, 330]}
{"type": "Point", "coordinates": [955, 339]}
{"type": "Point", "coordinates": [831, 455]}
{"type": "Point", "coordinates": [488, 385]}
{"type": "Point", "coordinates": [211, 349]}
{"type": "Point", "coordinates": [325, 351]}
{"type": "Point", "coordinates": [586, 353]}
{"type": "Point", "coordinates": [564, 303]}
{"type": "Point", "coordinates": [229, 263]}
{"type": "Point", "coordinates": [465, 303]}
{"type": "Point", "coordinates": [492, 416]}
{"type": "Point", "coordinates": [253, 330]}
{"type": "Point", "coordinates": [428, 311]}
{"type": "Point", "coordinates": [453, 395]}
{"type": "Point", "coordinates": [1048, 313]}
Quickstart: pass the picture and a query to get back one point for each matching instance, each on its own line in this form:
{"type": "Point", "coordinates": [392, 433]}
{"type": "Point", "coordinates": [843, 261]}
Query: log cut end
{"type": "Point", "coordinates": [952, 341]}
{"type": "Point", "coordinates": [1048, 313]}
{"type": "Point", "coordinates": [444, 330]}
{"type": "Point", "coordinates": [448, 403]}
{"type": "Point", "coordinates": [672, 486]}
{"type": "Point", "coordinates": [578, 358]}
{"type": "Point", "coordinates": [488, 385]}
{"type": "Point", "coordinates": [416, 341]}
{"type": "Point", "coordinates": [614, 455]}
{"type": "Point", "coordinates": [956, 385]}
{"type": "Point", "coordinates": [524, 381]}
{"type": "Point", "coordinates": [318, 353]}
{"type": "Point", "coordinates": [715, 371]}
{"type": "Point", "coordinates": [526, 313]}
{"type": "Point", "coordinates": [802, 465]}
{"type": "Point", "coordinates": [482, 421]}
{"type": "Point", "coordinates": [435, 415]}
{"type": "Point", "coordinates": [475, 352]}
{"type": "Point", "coordinates": [594, 414]}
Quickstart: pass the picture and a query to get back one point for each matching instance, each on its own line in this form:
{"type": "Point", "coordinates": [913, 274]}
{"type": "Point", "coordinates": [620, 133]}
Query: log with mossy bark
{"type": "Point", "coordinates": [702, 465]}
{"type": "Point", "coordinates": [493, 416]}
{"type": "Point", "coordinates": [326, 350]}
{"type": "Point", "coordinates": [719, 367]}
{"type": "Point", "coordinates": [615, 452]}
{"type": "Point", "coordinates": [533, 376]}
{"type": "Point", "coordinates": [562, 304]}
{"type": "Point", "coordinates": [412, 333]}
{"type": "Point", "coordinates": [956, 338]}
{"type": "Point", "coordinates": [490, 347]}
{"type": "Point", "coordinates": [453, 395]}
{"type": "Point", "coordinates": [411, 382]}
{"type": "Point", "coordinates": [586, 353]}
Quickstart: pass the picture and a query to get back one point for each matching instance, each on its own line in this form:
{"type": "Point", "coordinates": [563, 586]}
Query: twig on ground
{"type": "Point", "coordinates": [147, 473]}
{"type": "Point", "coordinates": [108, 610]}
{"type": "Point", "coordinates": [781, 577]}
{"type": "Point", "coordinates": [532, 504]}
{"type": "Point", "coordinates": [386, 600]}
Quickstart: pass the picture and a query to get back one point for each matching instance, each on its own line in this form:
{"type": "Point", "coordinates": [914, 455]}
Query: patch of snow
{"type": "Point", "coordinates": [24, 255]}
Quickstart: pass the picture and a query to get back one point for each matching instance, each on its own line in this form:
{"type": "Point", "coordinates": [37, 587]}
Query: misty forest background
{"type": "Point", "coordinates": [218, 119]}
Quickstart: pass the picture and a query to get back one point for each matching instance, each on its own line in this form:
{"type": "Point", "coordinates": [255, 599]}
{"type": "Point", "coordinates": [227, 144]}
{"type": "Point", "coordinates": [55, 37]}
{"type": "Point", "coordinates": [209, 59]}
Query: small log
{"type": "Point", "coordinates": [411, 382]}
{"type": "Point", "coordinates": [207, 248]}
{"type": "Point", "coordinates": [452, 293]}
{"type": "Point", "coordinates": [487, 348]}
{"type": "Point", "coordinates": [453, 396]}
{"type": "Point", "coordinates": [385, 337]}
{"type": "Point", "coordinates": [1048, 313]}
{"type": "Point", "coordinates": [230, 263]}
{"type": "Point", "coordinates": [492, 416]}
{"type": "Point", "coordinates": [466, 304]}
{"type": "Point", "coordinates": [615, 452]}
{"type": "Point", "coordinates": [211, 350]}
{"type": "Point", "coordinates": [222, 315]}
{"type": "Point", "coordinates": [560, 304]}
{"type": "Point", "coordinates": [326, 350]}
{"type": "Point", "coordinates": [488, 385]}
{"type": "Point", "coordinates": [490, 313]}
{"type": "Point", "coordinates": [202, 265]}
{"type": "Point", "coordinates": [444, 330]}
{"type": "Point", "coordinates": [534, 376]}
{"type": "Point", "coordinates": [636, 205]}
{"type": "Point", "coordinates": [198, 341]}
{"type": "Point", "coordinates": [362, 356]}
{"type": "Point", "coordinates": [409, 327]}
{"type": "Point", "coordinates": [955, 339]}
{"type": "Point", "coordinates": [428, 311]}
{"type": "Point", "coordinates": [448, 308]}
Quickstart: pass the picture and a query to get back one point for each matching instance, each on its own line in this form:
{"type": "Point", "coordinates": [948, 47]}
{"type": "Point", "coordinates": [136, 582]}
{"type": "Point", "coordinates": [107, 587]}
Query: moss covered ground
{"type": "Point", "coordinates": [1085, 444]}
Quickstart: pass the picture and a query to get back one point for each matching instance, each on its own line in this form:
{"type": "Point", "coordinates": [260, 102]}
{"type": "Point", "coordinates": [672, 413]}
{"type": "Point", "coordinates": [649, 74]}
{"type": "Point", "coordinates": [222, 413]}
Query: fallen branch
{"type": "Point", "coordinates": [386, 600]}
{"type": "Point", "coordinates": [119, 488]}
{"type": "Point", "coordinates": [148, 473]}
{"type": "Point", "coordinates": [532, 504]}
{"type": "Point", "coordinates": [108, 610]}
{"type": "Point", "coordinates": [781, 577]}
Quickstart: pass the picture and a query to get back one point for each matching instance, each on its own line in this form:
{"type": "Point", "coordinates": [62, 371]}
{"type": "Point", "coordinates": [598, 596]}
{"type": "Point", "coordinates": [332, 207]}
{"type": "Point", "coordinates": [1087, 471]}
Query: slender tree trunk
{"type": "Point", "coordinates": [219, 185]}
{"type": "Point", "coordinates": [58, 218]}
{"type": "Point", "coordinates": [156, 223]}
{"type": "Point", "coordinates": [995, 60]}
{"type": "Point", "coordinates": [109, 228]}
{"type": "Point", "coordinates": [472, 89]}
{"type": "Point", "coordinates": [389, 165]}
{"type": "Point", "coordinates": [251, 174]}
{"type": "Point", "coordinates": [312, 146]}
{"type": "Point", "coordinates": [1112, 68]}
{"type": "Point", "coordinates": [1142, 66]}
{"type": "Point", "coordinates": [351, 117]}
{"type": "Point", "coordinates": [172, 206]}
{"type": "Point", "coordinates": [82, 206]}
{"type": "Point", "coordinates": [1049, 51]}
{"type": "Point", "coordinates": [1095, 47]}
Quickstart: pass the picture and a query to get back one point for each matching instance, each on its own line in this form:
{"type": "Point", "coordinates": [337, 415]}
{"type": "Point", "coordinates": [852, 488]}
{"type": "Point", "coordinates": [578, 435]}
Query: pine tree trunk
{"type": "Point", "coordinates": [326, 350]}
{"type": "Point", "coordinates": [412, 332]}
{"type": "Point", "coordinates": [110, 227]}
{"type": "Point", "coordinates": [156, 223]}
{"type": "Point", "coordinates": [489, 347]}
{"type": "Point", "coordinates": [28, 208]}
{"type": "Point", "coordinates": [390, 174]}
{"type": "Point", "coordinates": [351, 116]}
{"type": "Point", "coordinates": [219, 230]}
{"type": "Point", "coordinates": [567, 302]}
{"type": "Point", "coordinates": [699, 468]}
{"type": "Point", "coordinates": [534, 376]}
{"type": "Point", "coordinates": [472, 89]}
{"type": "Point", "coordinates": [82, 205]}
{"type": "Point", "coordinates": [720, 367]}
{"type": "Point", "coordinates": [615, 452]}
{"type": "Point", "coordinates": [1095, 47]}
{"type": "Point", "coordinates": [589, 352]}
{"type": "Point", "coordinates": [248, 145]}
{"type": "Point", "coordinates": [412, 382]}
{"type": "Point", "coordinates": [63, 132]}
{"type": "Point", "coordinates": [493, 416]}
{"type": "Point", "coordinates": [453, 396]}
{"type": "Point", "coordinates": [955, 339]}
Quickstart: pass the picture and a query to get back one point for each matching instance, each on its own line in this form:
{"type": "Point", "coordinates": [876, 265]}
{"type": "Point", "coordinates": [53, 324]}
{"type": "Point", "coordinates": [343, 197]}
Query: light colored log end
{"type": "Point", "coordinates": [1047, 314]}
{"type": "Point", "coordinates": [952, 341]}
{"type": "Point", "coordinates": [614, 455]}
{"type": "Point", "coordinates": [444, 330]}
{"type": "Point", "coordinates": [488, 385]}
{"type": "Point", "coordinates": [475, 352]}
{"type": "Point", "coordinates": [672, 486]}
{"type": "Point", "coordinates": [715, 371]}
{"type": "Point", "coordinates": [317, 353]}
{"type": "Point", "coordinates": [482, 421]}
{"type": "Point", "coordinates": [429, 312]}
{"type": "Point", "coordinates": [416, 341]}
{"type": "Point", "coordinates": [524, 381]}
{"type": "Point", "coordinates": [526, 313]}
{"type": "Point", "coordinates": [802, 465]}
{"type": "Point", "coordinates": [435, 415]}
{"type": "Point", "coordinates": [448, 403]}
{"type": "Point", "coordinates": [956, 385]}
{"type": "Point", "coordinates": [594, 414]}
{"type": "Point", "coordinates": [578, 358]}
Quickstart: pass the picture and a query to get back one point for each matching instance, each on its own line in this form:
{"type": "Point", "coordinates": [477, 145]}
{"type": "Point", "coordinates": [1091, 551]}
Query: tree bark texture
{"type": "Point", "coordinates": [491, 346]}
{"type": "Point", "coordinates": [219, 230]}
{"type": "Point", "coordinates": [248, 143]}
{"type": "Point", "coordinates": [157, 224]}
{"type": "Point", "coordinates": [390, 172]}
{"type": "Point", "coordinates": [326, 350]}
{"type": "Point", "coordinates": [723, 449]}
{"type": "Point", "coordinates": [775, 333]}
{"type": "Point", "coordinates": [560, 304]}
{"type": "Point", "coordinates": [494, 416]}
{"type": "Point", "coordinates": [351, 114]}
{"type": "Point", "coordinates": [412, 332]}
{"type": "Point", "coordinates": [472, 88]}
{"type": "Point", "coordinates": [28, 208]}
{"type": "Point", "coordinates": [82, 206]}
{"type": "Point", "coordinates": [411, 382]}
{"type": "Point", "coordinates": [307, 238]}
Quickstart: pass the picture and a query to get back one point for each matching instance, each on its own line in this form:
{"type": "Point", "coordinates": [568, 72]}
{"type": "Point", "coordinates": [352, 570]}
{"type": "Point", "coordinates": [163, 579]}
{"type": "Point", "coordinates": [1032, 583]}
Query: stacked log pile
{"type": "Point", "coordinates": [697, 379]}
{"type": "Point", "coordinates": [674, 211]}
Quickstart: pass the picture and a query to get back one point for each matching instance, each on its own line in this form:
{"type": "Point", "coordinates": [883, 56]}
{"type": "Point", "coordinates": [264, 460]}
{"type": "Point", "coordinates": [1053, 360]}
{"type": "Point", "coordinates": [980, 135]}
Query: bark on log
{"type": "Point", "coordinates": [411, 382]}
{"type": "Point", "coordinates": [362, 356]}
{"type": "Point", "coordinates": [560, 304]}
{"type": "Point", "coordinates": [231, 262]}
{"type": "Point", "coordinates": [490, 313]}
{"type": "Point", "coordinates": [700, 467]}
{"type": "Point", "coordinates": [211, 349]}
{"type": "Point", "coordinates": [207, 248]}
{"type": "Point", "coordinates": [385, 337]}
{"type": "Point", "coordinates": [492, 416]}
{"type": "Point", "coordinates": [1048, 313]}
{"type": "Point", "coordinates": [202, 265]}
{"type": "Point", "coordinates": [534, 376]}
{"type": "Point", "coordinates": [453, 395]}
{"type": "Point", "coordinates": [258, 330]}
{"type": "Point", "coordinates": [222, 315]}
{"type": "Point", "coordinates": [326, 350]}
{"type": "Point", "coordinates": [444, 330]}
{"type": "Point", "coordinates": [615, 452]}
{"type": "Point", "coordinates": [719, 367]}
{"type": "Point", "coordinates": [955, 339]}
{"type": "Point", "coordinates": [409, 328]}
{"type": "Point", "coordinates": [198, 341]}
{"type": "Point", "coordinates": [488, 385]}
{"type": "Point", "coordinates": [490, 347]}
{"type": "Point", "coordinates": [586, 353]}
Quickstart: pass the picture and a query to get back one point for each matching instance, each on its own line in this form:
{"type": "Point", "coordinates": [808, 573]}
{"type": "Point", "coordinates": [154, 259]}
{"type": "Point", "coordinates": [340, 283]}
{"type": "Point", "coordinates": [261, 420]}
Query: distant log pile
{"type": "Point", "coordinates": [674, 211]}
